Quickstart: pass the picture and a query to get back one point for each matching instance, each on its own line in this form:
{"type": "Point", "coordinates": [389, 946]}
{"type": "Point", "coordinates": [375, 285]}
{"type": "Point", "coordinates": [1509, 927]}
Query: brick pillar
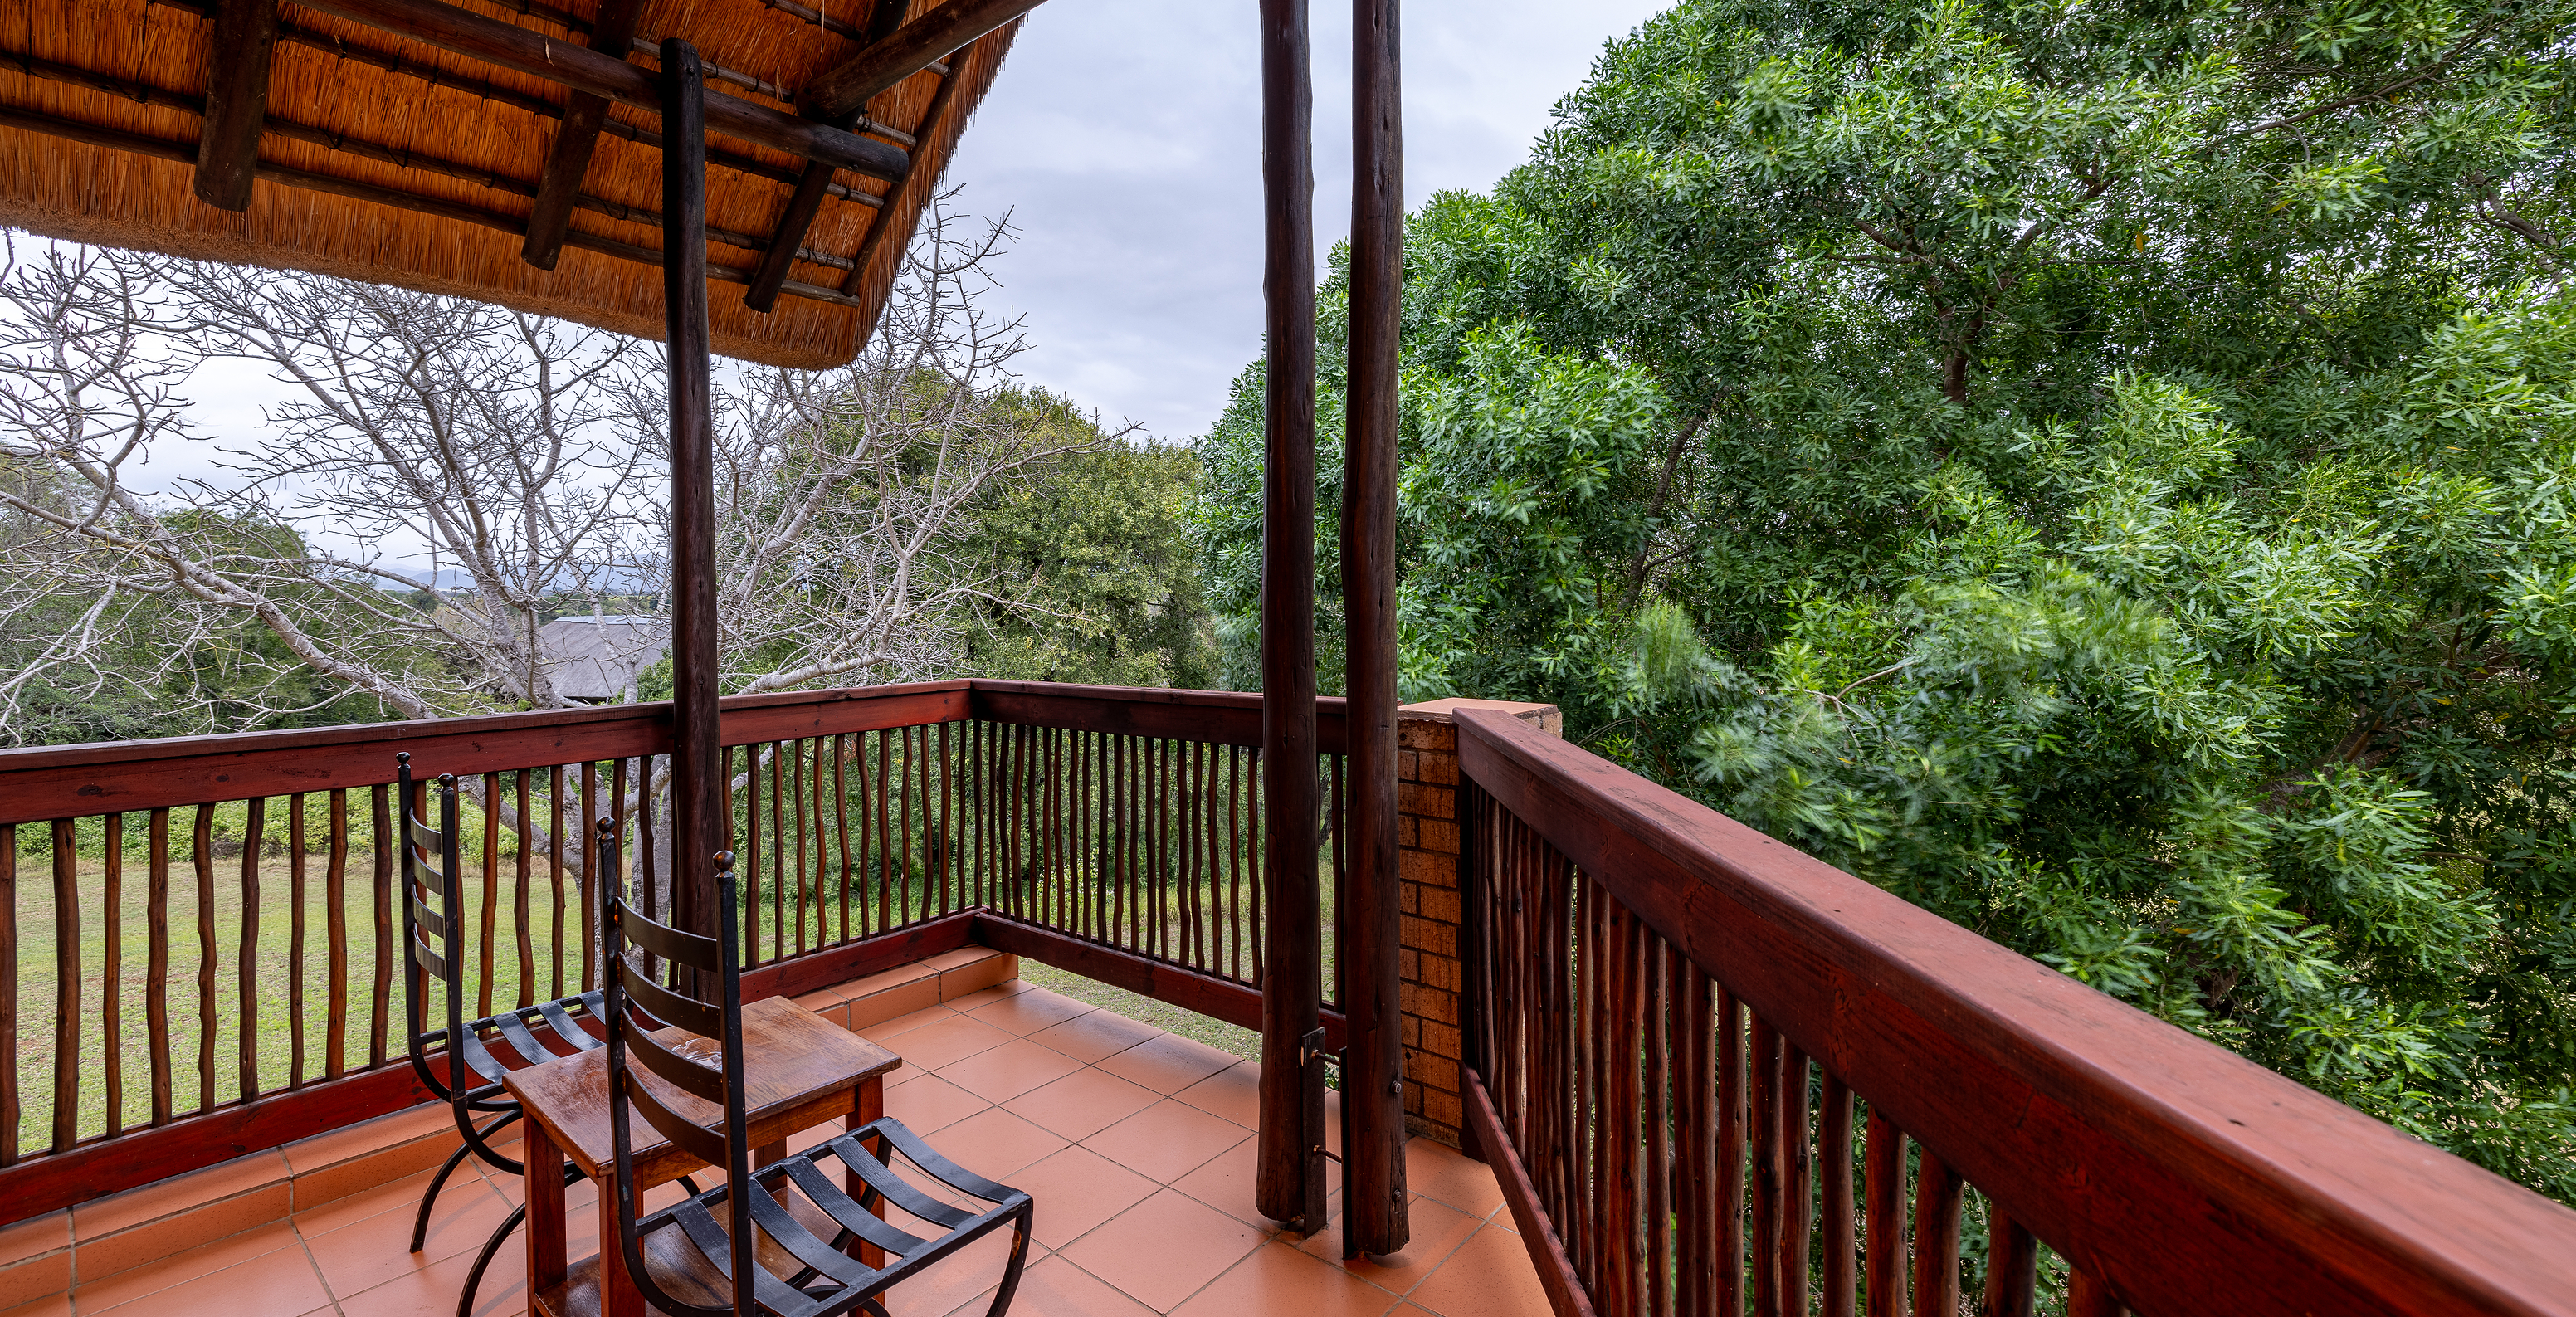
{"type": "Point", "coordinates": [1426, 773]}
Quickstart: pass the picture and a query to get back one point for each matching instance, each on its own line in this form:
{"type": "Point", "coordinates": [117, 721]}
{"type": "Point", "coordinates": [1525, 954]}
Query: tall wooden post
{"type": "Point", "coordinates": [699, 824]}
{"type": "Point", "coordinates": [1374, 1216]}
{"type": "Point", "coordinates": [1291, 1184]}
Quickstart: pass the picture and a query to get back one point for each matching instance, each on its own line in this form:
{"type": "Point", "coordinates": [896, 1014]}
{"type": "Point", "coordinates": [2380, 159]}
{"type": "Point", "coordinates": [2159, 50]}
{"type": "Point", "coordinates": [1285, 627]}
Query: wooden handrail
{"type": "Point", "coordinates": [2190, 1178]}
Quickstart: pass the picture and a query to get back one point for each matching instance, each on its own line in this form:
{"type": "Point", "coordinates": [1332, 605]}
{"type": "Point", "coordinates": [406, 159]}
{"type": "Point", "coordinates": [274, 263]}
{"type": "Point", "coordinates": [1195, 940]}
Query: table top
{"type": "Point", "coordinates": [793, 1059]}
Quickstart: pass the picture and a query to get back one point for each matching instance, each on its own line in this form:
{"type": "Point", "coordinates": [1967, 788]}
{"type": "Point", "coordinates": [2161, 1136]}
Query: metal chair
{"type": "Point", "coordinates": [433, 907]}
{"type": "Point", "coordinates": [751, 1245]}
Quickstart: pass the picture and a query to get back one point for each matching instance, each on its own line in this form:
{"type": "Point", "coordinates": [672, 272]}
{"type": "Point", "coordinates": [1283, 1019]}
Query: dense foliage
{"type": "Point", "coordinates": [2105, 473]}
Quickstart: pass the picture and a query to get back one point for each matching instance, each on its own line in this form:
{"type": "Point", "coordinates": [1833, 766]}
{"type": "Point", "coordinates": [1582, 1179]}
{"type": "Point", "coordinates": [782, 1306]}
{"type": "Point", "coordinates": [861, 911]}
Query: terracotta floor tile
{"type": "Point", "coordinates": [1234, 1093]}
{"type": "Point", "coordinates": [1166, 1140]}
{"type": "Point", "coordinates": [42, 1234]}
{"type": "Point", "coordinates": [931, 1103]}
{"type": "Point", "coordinates": [52, 1305]}
{"type": "Point", "coordinates": [205, 1259]}
{"type": "Point", "coordinates": [904, 1024]}
{"type": "Point", "coordinates": [1082, 1103]}
{"type": "Point", "coordinates": [1168, 1064]}
{"type": "Point", "coordinates": [1446, 1175]}
{"type": "Point", "coordinates": [1226, 1183]}
{"type": "Point", "coordinates": [396, 1195]}
{"type": "Point", "coordinates": [1025, 1012]}
{"type": "Point", "coordinates": [1279, 1281]}
{"type": "Point", "coordinates": [1438, 1230]}
{"type": "Point", "coordinates": [1489, 1276]}
{"type": "Point", "coordinates": [1096, 1036]}
{"type": "Point", "coordinates": [987, 996]}
{"type": "Point", "coordinates": [993, 1143]}
{"type": "Point", "coordinates": [1076, 1190]}
{"type": "Point", "coordinates": [359, 1257]}
{"type": "Point", "coordinates": [1165, 1249]}
{"type": "Point", "coordinates": [953, 1280]}
{"type": "Point", "coordinates": [376, 1135]}
{"type": "Point", "coordinates": [1005, 1072]}
{"type": "Point", "coordinates": [942, 1043]}
{"type": "Point", "coordinates": [1057, 1288]}
{"type": "Point", "coordinates": [432, 1291]}
{"type": "Point", "coordinates": [278, 1282]}
{"type": "Point", "coordinates": [177, 1193]}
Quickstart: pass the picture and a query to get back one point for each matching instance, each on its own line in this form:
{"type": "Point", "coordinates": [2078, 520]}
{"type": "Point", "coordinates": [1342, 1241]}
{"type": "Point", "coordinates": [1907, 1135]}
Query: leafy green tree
{"type": "Point", "coordinates": [2100, 472]}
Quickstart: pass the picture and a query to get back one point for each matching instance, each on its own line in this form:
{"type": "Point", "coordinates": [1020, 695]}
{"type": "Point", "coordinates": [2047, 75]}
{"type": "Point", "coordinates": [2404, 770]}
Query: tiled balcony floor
{"type": "Point", "coordinates": [1136, 1143]}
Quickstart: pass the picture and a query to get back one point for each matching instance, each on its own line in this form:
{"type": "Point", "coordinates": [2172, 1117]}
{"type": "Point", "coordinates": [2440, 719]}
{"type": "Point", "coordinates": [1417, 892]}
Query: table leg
{"type": "Point", "coordinates": [618, 1296]}
{"type": "Point", "coordinates": [870, 1105]}
{"type": "Point", "coordinates": [545, 1199]}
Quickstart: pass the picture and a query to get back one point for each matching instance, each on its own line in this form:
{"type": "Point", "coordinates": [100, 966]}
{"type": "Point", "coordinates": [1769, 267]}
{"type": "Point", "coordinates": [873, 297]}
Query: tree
{"type": "Point", "coordinates": [2099, 472]}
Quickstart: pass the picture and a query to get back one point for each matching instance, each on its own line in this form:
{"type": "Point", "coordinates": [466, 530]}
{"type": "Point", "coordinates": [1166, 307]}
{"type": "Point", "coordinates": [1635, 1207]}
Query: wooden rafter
{"type": "Point", "coordinates": [236, 101]}
{"type": "Point", "coordinates": [807, 201]}
{"type": "Point", "coordinates": [908, 50]}
{"type": "Point", "coordinates": [569, 158]}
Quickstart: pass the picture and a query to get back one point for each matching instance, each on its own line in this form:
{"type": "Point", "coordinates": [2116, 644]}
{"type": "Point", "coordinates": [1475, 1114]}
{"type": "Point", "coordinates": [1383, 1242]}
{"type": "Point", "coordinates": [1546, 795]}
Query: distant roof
{"type": "Point", "coordinates": [381, 153]}
{"type": "Point", "coordinates": [602, 661]}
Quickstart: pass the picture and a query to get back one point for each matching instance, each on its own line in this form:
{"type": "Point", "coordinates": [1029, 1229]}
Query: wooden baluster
{"type": "Point", "coordinates": [1658, 1113]}
{"type": "Point", "coordinates": [906, 865]}
{"type": "Point", "coordinates": [2088, 1296]}
{"type": "Point", "coordinates": [1937, 1193]}
{"type": "Point", "coordinates": [381, 850]}
{"type": "Point", "coordinates": [1834, 1142]}
{"type": "Point", "coordinates": [9, 998]}
{"type": "Point", "coordinates": [522, 917]}
{"type": "Point", "coordinates": [1699, 1181]}
{"type": "Point", "coordinates": [647, 865]}
{"type": "Point", "coordinates": [841, 819]}
{"type": "Point", "coordinates": [1797, 1180]}
{"type": "Point", "coordinates": [112, 970]}
{"type": "Point", "coordinates": [583, 851]}
{"type": "Point", "coordinates": [67, 987]}
{"type": "Point", "coordinates": [1733, 1121]}
{"type": "Point", "coordinates": [751, 849]}
{"type": "Point", "coordinates": [295, 941]}
{"type": "Point", "coordinates": [1769, 1171]}
{"type": "Point", "coordinates": [335, 914]}
{"type": "Point", "coordinates": [782, 790]}
{"type": "Point", "coordinates": [951, 873]}
{"type": "Point", "coordinates": [487, 964]}
{"type": "Point", "coordinates": [202, 862]}
{"type": "Point", "coordinates": [555, 879]}
{"type": "Point", "coordinates": [247, 970]}
{"type": "Point", "coordinates": [2012, 1266]}
{"type": "Point", "coordinates": [156, 971]}
{"type": "Point", "coordinates": [1884, 1189]}
{"type": "Point", "coordinates": [805, 823]}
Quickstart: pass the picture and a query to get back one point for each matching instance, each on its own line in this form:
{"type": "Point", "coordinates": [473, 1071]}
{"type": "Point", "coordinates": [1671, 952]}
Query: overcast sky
{"type": "Point", "coordinates": [1124, 138]}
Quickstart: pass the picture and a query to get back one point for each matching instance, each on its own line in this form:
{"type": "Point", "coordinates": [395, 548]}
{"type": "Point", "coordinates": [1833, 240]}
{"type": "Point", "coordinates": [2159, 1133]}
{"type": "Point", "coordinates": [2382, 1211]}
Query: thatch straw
{"type": "Point", "coordinates": [371, 170]}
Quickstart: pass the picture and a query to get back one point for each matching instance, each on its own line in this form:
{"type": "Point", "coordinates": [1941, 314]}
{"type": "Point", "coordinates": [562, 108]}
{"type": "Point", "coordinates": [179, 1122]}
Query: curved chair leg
{"type": "Point", "coordinates": [420, 1221]}
{"type": "Point", "coordinates": [1010, 1271]}
{"type": "Point", "coordinates": [491, 1248]}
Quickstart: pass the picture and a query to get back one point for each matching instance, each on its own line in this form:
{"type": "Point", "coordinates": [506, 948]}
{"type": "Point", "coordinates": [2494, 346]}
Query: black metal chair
{"type": "Point", "coordinates": [704, 1256]}
{"type": "Point", "coordinates": [464, 1071]}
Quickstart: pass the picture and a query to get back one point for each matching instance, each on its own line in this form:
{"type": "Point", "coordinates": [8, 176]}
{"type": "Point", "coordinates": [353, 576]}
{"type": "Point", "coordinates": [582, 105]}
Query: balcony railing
{"type": "Point", "coordinates": [1114, 831]}
{"type": "Point", "coordinates": [1715, 1075]}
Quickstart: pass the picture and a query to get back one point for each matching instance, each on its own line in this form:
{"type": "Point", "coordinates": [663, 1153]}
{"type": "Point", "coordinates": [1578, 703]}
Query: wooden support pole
{"type": "Point", "coordinates": [236, 101]}
{"type": "Point", "coordinates": [569, 158]}
{"type": "Point", "coordinates": [906, 51]}
{"type": "Point", "coordinates": [701, 825]}
{"type": "Point", "coordinates": [806, 201]}
{"type": "Point", "coordinates": [1374, 1216]}
{"type": "Point", "coordinates": [583, 69]}
{"type": "Point", "coordinates": [1291, 1185]}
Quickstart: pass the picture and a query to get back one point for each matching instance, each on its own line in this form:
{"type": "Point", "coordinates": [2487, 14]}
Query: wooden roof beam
{"type": "Point", "coordinates": [583, 69]}
{"type": "Point", "coordinates": [569, 158]}
{"type": "Point", "coordinates": [236, 101]}
{"type": "Point", "coordinates": [806, 202]}
{"type": "Point", "coordinates": [908, 50]}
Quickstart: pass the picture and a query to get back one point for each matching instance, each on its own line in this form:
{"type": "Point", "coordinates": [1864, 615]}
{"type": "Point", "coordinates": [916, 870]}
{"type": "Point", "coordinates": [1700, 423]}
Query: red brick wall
{"type": "Point", "coordinates": [1426, 771]}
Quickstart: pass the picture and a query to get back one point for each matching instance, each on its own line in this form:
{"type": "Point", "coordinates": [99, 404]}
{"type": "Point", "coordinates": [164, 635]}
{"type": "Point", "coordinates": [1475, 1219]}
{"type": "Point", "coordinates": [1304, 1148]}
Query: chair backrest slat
{"type": "Point", "coordinates": [684, 1073]}
{"type": "Point", "coordinates": [660, 939]}
{"type": "Point", "coordinates": [433, 927]}
{"type": "Point", "coordinates": [663, 1004]}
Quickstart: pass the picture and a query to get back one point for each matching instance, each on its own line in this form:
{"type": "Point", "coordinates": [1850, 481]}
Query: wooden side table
{"type": "Point", "coordinates": [799, 1070]}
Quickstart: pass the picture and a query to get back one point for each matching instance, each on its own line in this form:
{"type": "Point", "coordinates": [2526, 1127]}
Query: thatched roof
{"type": "Point", "coordinates": [389, 159]}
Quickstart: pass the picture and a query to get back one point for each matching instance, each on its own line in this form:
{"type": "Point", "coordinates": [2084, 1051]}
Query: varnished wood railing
{"type": "Point", "coordinates": [1719, 1076]}
{"type": "Point", "coordinates": [1117, 830]}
